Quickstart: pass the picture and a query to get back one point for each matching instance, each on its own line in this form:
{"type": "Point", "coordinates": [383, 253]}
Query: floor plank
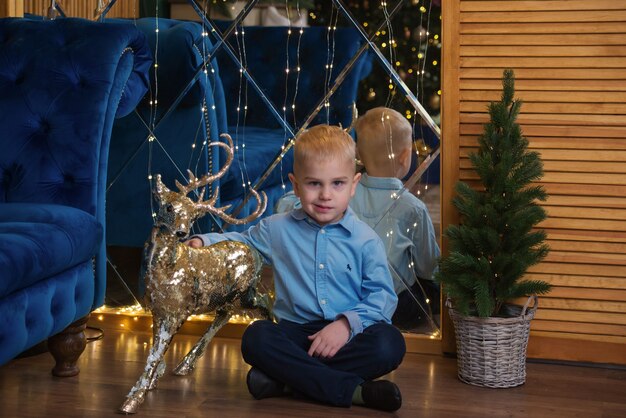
{"type": "Point", "coordinates": [430, 388]}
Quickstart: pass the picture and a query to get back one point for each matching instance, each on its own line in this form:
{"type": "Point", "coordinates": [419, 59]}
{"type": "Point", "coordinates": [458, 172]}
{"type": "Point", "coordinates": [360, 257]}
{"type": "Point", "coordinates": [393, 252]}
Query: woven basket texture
{"type": "Point", "coordinates": [491, 352]}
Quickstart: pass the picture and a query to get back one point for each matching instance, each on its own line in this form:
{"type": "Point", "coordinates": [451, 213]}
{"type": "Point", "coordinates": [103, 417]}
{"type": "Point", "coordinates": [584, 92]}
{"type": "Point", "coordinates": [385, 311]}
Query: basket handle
{"type": "Point", "coordinates": [533, 298]}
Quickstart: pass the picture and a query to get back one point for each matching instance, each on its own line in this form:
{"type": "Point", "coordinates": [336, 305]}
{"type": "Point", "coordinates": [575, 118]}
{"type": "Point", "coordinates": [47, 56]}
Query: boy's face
{"type": "Point", "coordinates": [325, 188]}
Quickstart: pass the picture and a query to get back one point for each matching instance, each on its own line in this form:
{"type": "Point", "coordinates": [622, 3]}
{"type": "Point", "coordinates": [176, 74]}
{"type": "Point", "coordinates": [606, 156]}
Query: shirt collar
{"type": "Point", "coordinates": [386, 183]}
{"type": "Point", "coordinates": [346, 222]}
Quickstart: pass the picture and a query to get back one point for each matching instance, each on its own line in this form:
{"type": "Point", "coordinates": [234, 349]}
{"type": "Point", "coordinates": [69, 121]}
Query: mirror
{"type": "Point", "coordinates": [399, 71]}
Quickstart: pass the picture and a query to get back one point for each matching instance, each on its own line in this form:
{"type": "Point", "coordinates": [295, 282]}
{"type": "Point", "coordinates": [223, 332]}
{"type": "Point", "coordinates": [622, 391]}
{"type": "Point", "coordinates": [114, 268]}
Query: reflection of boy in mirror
{"type": "Point", "coordinates": [384, 146]}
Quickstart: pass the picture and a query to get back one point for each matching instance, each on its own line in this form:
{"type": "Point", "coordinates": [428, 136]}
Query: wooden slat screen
{"type": "Point", "coordinates": [11, 8]}
{"type": "Point", "coordinates": [569, 58]}
{"type": "Point", "coordinates": [84, 8]}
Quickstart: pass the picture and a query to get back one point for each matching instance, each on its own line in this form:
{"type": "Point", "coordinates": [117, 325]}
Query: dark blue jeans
{"type": "Point", "coordinates": [280, 351]}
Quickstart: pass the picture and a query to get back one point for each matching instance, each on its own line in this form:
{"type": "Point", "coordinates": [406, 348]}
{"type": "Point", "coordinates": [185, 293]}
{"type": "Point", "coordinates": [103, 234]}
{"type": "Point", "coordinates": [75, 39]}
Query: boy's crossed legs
{"type": "Point", "coordinates": [279, 351]}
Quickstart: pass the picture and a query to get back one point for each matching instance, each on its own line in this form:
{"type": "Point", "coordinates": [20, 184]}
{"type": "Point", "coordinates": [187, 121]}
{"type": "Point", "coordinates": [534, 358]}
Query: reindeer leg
{"type": "Point", "coordinates": [188, 363]}
{"type": "Point", "coordinates": [160, 365]}
{"type": "Point", "coordinates": [162, 339]}
{"type": "Point", "coordinates": [160, 371]}
{"type": "Point", "coordinates": [253, 299]}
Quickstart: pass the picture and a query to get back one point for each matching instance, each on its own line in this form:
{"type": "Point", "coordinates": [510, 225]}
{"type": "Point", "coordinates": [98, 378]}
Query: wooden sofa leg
{"type": "Point", "coordinates": [67, 346]}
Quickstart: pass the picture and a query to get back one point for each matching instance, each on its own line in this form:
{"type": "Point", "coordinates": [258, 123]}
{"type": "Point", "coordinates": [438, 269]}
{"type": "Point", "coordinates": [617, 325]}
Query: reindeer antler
{"type": "Point", "coordinates": [355, 116]}
{"type": "Point", "coordinates": [195, 183]}
{"type": "Point", "coordinates": [209, 205]}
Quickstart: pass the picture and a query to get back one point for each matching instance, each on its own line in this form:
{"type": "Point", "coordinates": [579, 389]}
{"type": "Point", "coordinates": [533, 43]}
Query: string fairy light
{"type": "Point", "coordinates": [242, 96]}
{"type": "Point", "coordinates": [153, 108]}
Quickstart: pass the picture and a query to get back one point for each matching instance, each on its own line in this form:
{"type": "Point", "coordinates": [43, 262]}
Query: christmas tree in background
{"type": "Point", "coordinates": [412, 45]}
{"type": "Point", "coordinates": [495, 244]}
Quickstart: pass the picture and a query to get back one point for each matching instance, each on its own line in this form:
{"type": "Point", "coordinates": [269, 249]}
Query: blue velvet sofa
{"type": "Point", "coordinates": [62, 83]}
{"type": "Point", "coordinates": [217, 104]}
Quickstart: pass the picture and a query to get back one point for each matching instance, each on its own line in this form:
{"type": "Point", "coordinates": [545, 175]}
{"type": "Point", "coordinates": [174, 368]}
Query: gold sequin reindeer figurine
{"type": "Point", "coordinates": [181, 281]}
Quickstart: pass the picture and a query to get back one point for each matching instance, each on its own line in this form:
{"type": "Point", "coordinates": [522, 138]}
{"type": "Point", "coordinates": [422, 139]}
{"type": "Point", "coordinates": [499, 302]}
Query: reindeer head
{"type": "Point", "coordinates": [177, 212]}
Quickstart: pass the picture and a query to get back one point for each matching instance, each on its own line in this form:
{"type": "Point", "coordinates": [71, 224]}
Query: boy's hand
{"type": "Point", "coordinates": [194, 243]}
{"type": "Point", "coordinates": [330, 339]}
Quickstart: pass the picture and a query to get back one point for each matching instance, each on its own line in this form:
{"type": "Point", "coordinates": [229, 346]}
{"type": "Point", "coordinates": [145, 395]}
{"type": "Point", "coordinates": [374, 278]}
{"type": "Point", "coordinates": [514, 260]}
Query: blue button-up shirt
{"type": "Point", "coordinates": [322, 272]}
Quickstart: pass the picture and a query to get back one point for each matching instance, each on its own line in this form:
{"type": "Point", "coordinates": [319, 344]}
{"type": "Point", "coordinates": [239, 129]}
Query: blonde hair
{"type": "Point", "coordinates": [380, 132]}
{"type": "Point", "coordinates": [323, 142]}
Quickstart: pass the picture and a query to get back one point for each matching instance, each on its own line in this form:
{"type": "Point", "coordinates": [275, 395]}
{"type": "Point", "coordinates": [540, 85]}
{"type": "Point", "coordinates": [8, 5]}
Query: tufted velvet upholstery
{"type": "Point", "coordinates": [129, 208]}
{"type": "Point", "coordinates": [62, 83]}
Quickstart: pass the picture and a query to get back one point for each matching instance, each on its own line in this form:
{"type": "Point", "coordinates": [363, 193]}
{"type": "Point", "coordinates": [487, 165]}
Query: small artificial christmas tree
{"type": "Point", "coordinates": [495, 244]}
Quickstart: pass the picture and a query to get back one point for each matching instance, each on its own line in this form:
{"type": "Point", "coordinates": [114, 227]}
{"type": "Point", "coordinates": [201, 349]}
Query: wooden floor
{"type": "Point", "coordinates": [110, 366]}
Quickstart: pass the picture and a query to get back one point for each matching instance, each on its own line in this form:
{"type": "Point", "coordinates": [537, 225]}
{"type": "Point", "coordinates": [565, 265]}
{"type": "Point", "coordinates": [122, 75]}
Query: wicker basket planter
{"type": "Point", "coordinates": [491, 352]}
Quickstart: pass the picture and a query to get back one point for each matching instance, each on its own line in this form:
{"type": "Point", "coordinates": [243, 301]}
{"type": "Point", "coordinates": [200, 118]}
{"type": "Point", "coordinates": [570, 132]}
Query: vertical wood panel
{"type": "Point", "coordinates": [450, 111]}
{"type": "Point", "coordinates": [11, 8]}
{"type": "Point", "coordinates": [569, 57]}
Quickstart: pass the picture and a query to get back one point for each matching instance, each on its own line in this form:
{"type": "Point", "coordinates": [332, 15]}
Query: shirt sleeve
{"type": "Point", "coordinates": [379, 301]}
{"type": "Point", "coordinates": [257, 237]}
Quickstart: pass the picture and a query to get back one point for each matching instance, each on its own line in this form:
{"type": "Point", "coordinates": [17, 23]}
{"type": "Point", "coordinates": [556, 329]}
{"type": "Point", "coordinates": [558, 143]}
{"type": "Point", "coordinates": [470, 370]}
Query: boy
{"type": "Point", "coordinates": [384, 146]}
{"type": "Point", "coordinates": [334, 294]}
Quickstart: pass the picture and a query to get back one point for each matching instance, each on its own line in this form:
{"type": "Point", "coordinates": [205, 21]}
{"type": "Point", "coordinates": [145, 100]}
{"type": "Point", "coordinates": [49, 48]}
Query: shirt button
{"type": "Point", "coordinates": [323, 301]}
{"type": "Point", "coordinates": [323, 231]}
{"type": "Point", "coordinates": [321, 266]}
